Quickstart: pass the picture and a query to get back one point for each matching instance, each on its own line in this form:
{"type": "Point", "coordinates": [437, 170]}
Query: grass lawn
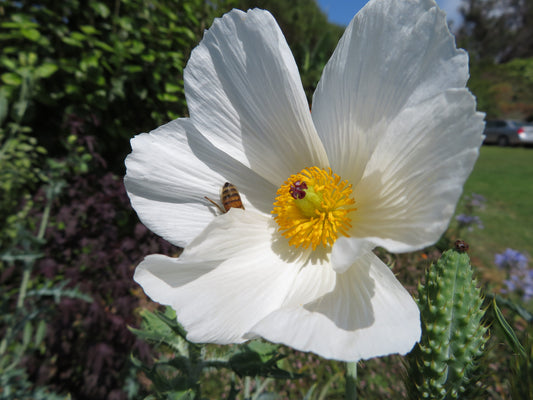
{"type": "Point", "coordinates": [505, 177]}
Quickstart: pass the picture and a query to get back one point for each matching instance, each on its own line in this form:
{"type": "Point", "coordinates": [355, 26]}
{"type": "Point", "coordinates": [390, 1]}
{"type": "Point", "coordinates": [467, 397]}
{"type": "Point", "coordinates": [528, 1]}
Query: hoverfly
{"type": "Point", "coordinates": [230, 198]}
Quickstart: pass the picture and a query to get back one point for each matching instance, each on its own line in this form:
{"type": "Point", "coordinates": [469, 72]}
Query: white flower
{"type": "Point", "coordinates": [381, 161]}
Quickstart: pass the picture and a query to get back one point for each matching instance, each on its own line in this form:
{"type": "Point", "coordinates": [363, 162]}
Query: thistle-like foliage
{"type": "Point", "coordinates": [445, 364]}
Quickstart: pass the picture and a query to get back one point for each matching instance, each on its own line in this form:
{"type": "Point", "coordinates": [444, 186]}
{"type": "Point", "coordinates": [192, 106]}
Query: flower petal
{"type": "Point", "coordinates": [245, 95]}
{"type": "Point", "coordinates": [347, 250]}
{"type": "Point", "coordinates": [368, 314]}
{"type": "Point", "coordinates": [230, 277]}
{"type": "Point", "coordinates": [393, 55]}
{"type": "Point", "coordinates": [169, 172]}
{"type": "Point", "coordinates": [416, 174]}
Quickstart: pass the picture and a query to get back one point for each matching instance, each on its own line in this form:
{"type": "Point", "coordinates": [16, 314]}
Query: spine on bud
{"type": "Point", "coordinates": [446, 362]}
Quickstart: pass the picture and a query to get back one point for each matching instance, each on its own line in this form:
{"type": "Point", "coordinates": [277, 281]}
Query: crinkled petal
{"type": "Point", "coordinates": [393, 55]}
{"type": "Point", "coordinates": [244, 94]}
{"type": "Point", "coordinates": [367, 314]}
{"type": "Point", "coordinates": [416, 174]}
{"type": "Point", "coordinates": [169, 172]}
{"type": "Point", "coordinates": [230, 277]}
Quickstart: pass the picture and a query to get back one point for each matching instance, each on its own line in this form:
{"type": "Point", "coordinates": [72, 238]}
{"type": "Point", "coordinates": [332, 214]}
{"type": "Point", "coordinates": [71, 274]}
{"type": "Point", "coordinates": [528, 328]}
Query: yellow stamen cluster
{"type": "Point", "coordinates": [312, 208]}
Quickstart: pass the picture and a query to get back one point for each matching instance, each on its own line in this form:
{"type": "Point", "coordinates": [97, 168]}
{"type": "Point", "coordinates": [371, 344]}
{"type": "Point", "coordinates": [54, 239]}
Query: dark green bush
{"type": "Point", "coordinates": [116, 66]}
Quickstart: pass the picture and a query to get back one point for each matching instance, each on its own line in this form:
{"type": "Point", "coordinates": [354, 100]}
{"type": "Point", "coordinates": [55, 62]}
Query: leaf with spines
{"type": "Point", "coordinates": [445, 364]}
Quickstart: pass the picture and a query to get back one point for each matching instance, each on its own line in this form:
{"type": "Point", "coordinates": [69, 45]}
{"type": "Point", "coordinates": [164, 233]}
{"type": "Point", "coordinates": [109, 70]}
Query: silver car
{"type": "Point", "coordinates": [508, 133]}
{"type": "Point", "coordinates": [525, 133]}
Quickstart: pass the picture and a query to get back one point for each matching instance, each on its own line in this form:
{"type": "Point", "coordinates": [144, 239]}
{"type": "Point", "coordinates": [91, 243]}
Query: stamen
{"type": "Point", "coordinates": [313, 208]}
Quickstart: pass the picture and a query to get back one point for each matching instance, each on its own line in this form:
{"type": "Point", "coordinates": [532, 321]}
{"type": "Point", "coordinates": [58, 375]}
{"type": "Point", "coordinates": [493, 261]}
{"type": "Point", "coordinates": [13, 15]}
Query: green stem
{"type": "Point", "coordinates": [24, 285]}
{"type": "Point", "coordinates": [29, 266]}
{"type": "Point", "coordinates": [197, 365]}
{"type": "Point", "coordinates": [27, 274]}
{"type": "Point", "coordinates": [351, 381]}
{"type": "Point", "coordinates": [247, 387]}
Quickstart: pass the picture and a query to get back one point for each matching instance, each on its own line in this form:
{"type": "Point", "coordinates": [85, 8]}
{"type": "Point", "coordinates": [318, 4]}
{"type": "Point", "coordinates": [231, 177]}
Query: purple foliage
{"type": "Point", "coordinates": [94, 241]}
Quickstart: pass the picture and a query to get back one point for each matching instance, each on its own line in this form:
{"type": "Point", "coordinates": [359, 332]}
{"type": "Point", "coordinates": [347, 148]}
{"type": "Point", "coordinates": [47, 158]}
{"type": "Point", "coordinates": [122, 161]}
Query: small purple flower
{"type": "Point", "coordinates": [509, 286]}
{"type": "Point", "coordinates": [511, 259]}
{"type": "Point", "coordinates": [477, 200]}
{"type": "Point", "coordinates": [466, 220]}
{"type": "Point", "coordinates": [527, 285]}
{"type": "Point", "coordinates": [520, 276]}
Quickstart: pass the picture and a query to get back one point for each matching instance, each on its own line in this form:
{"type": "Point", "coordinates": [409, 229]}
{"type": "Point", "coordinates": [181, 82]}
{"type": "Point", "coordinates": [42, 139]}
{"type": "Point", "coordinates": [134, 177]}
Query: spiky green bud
{"type": "Point", "coordinates": [444, 365]}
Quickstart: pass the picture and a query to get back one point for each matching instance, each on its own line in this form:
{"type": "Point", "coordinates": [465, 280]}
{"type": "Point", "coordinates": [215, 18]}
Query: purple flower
{"type": "Point", "coordinates": [511, 259]}
{"type": "Point", "coordinates": [466, 220]}
{"type": "Point", "coordinates": [520, 276]}
{"type": "Point", "coordinates": [477, 200]}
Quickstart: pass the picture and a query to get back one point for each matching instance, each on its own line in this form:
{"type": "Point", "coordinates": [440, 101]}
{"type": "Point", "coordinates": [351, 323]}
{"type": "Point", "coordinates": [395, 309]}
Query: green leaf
{"type": "Point", "coordinates": [149, 58]}
{"type": "Point", "coordinates": [508, 331]}
{"type": "Point", "coordinates": [78, 36]}
{"type": "Point", "coordinates": [133, 69]}
{"type": "Point", "coordinates": [251, 363]}
{"type": "Point", "coordinates": [104, 46]}
{"type": "Point", "coordinates": [27, 334]}
{"type": "Point", "coordinates": [8, 63]}
{"type": "Point", "coordinates": [40, 333]}
{"type": "Point", "coordinates": [26, 257]}
{"type": "Point", "coordinates": [172, 88]}
{"type": "Point", "coordinates": [46, 70]}
{"type": "Point", "coordinates": [172, 323]}
{"type": "Point", "coordinates": [161, 329]}
{"type": "Point", "coordinates": [136, 47]}
{"type": "Point", "coordinates": [264, 349]}
{"type": "Point", "coordinates": [167, 97]}
{"type": "Point", "coordinates": [11, 78]}
{"type": "Point", "coordinates": [89, 30]}
{"type": "Point", "coordinates": [4, 107]}
{"type": "Point", "coordinates": [70, 41]}
{"type": "Point", "coordinates": [517, 308]}
{"type": "Point", "coordinates": [100, 8]}
{"type": "Point", "coordinates": [31, 34]}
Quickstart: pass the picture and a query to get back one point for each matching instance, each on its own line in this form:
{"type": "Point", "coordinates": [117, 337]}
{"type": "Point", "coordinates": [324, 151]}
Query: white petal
{"type": "Point", "coordinates": [347, 250]}
{"type": "Point", "coordinates": [245, 95]}
{"type": "Point", "coordinates": [368, 314]}
{"type": "Point", "coordinates": [230, 277]}
{"type": "Point", "coordinates": [393, 55]}
{"type": "Point", "coordinates": [169, 172]}
{"type": "Point", "coordinates": [416, 174]}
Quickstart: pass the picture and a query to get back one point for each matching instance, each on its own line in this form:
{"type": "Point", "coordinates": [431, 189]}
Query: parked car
{"type": "Point", "coordinates": [508, 133]}
{"type": "Point", "coordinates": [525, 133]}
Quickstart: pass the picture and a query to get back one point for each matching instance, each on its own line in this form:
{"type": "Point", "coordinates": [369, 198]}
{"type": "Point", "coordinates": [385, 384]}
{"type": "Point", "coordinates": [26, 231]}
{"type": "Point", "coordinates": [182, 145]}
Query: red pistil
{"type": "Point", "coordinates": [297, 190]}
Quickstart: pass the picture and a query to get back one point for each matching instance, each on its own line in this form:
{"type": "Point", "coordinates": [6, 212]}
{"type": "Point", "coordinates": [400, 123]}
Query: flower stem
{"type": "Point", "coordinates": [351, 380]}
{"type": "Point", "coordinates": [29, 265]}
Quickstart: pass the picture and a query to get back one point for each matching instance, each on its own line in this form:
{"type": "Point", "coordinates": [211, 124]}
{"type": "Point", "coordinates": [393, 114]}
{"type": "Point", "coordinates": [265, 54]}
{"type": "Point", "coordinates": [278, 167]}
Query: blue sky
{"type": "Point", "coordinates": [342, 11]}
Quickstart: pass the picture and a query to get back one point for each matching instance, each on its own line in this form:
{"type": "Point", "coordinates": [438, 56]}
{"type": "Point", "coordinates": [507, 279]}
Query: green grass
{"type": "Point", "coordinates": [505, 177]}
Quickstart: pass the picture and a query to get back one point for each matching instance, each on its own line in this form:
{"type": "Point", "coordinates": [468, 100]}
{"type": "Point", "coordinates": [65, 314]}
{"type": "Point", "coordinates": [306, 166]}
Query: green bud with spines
{"type": "Point", "coordinates": [445, 364]}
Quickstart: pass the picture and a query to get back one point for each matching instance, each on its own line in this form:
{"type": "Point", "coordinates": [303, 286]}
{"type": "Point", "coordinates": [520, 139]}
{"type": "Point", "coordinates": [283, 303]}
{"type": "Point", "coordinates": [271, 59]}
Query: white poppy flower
{"type": "Point", "coordinates": [380, 161]}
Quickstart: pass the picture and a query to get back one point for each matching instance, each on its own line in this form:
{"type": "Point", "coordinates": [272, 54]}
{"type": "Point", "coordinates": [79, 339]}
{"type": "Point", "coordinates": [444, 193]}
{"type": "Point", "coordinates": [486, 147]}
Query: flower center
{"type": "Point", "coordinates": [312, 208]}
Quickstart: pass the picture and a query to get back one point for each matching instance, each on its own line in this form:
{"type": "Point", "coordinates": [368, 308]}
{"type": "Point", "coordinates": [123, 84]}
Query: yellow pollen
{"type": "Point", "coordinates": [313, 207]}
